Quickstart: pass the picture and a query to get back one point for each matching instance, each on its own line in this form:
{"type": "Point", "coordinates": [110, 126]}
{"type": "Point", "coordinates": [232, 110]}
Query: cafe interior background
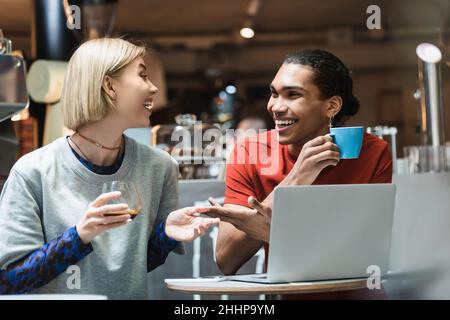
{"type": "Point", "coordinates": [213, 60]}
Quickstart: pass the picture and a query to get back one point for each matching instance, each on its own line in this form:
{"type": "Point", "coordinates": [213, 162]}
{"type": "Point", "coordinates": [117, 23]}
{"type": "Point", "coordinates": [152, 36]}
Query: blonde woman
{"type": "Point", "coordinates": [52, 212]}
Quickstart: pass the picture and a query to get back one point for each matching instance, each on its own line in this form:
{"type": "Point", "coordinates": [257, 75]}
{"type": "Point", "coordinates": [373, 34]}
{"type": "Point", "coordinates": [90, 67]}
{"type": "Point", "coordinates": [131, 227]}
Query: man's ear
{"type": "Point", "coordinates": [108, 87]}
{"type": "Point", "coordinates": [334, 106]}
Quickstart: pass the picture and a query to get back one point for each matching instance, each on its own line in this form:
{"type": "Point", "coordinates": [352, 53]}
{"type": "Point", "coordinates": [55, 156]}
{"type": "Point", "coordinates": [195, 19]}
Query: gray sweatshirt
{"type": "Point", "coordinates": [49, 190]}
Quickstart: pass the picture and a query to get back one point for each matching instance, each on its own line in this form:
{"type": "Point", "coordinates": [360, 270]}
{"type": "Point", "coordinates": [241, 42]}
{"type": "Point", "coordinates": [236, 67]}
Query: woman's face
{"type": "Point", "coordinates": [134, 94]}
{"type": "Point", "coordinates": [296, 105]}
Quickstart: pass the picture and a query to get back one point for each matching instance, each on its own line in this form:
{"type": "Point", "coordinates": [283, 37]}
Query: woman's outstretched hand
{"type": "Point", "coordinates": [186, 224]}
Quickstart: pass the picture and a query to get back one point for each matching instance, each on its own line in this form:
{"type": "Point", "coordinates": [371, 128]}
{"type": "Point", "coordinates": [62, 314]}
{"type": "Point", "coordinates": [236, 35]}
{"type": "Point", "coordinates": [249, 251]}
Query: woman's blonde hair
{"type": "Point", "coordinates": [83, 98]}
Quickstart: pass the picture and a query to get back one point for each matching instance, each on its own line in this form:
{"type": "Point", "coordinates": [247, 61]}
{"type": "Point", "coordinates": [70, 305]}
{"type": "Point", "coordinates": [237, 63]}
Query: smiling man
{"type": "Point", "coordinates": [311, 91]}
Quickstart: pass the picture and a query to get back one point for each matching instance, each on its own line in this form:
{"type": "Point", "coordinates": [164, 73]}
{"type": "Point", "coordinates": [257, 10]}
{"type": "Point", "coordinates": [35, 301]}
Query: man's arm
{"type": "Point", "coordinates": [234, 247]}
{"type": "Point", "coordinates": [234, 244]}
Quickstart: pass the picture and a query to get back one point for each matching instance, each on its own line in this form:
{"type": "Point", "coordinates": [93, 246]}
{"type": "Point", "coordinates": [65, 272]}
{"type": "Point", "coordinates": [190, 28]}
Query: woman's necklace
{"type": "Point", "coordinates": [100, 146]}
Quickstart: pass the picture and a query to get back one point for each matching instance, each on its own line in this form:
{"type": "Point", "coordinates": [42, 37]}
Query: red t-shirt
{"type": "Point", "coordinates": [259, 163]}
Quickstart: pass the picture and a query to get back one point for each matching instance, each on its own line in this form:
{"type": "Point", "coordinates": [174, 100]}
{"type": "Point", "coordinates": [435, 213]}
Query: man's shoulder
{"type": "Point", "coordinates": [374, 143]}
{"type": "Point", "coordinates": [374, 148]}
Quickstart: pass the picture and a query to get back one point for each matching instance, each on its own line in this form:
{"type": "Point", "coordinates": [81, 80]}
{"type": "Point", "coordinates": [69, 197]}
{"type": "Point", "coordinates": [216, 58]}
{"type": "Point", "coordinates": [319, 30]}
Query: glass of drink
{"type": "Point", "coordinates": [130, 196]}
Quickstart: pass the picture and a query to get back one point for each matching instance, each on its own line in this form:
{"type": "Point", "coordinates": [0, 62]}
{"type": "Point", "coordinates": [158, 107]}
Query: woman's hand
{"type": "Point", "coordinates": [185, 224]}
{"type": "Point", "coordinates": [94, 220]}
{"type": "Point", "coordinates": [316, 155]}
{"type": "Point", "coordinates": [254, 222]}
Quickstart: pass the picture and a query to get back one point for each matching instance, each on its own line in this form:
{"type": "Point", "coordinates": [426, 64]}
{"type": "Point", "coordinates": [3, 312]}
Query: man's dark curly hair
{"type": "Point", "coordinates": [332, 78]}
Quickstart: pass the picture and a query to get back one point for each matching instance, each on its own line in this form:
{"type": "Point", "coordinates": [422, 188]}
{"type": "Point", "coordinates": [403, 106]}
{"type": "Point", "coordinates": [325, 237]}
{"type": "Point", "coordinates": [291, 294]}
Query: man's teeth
{"type": "Point", "coordinates": [284, 123]}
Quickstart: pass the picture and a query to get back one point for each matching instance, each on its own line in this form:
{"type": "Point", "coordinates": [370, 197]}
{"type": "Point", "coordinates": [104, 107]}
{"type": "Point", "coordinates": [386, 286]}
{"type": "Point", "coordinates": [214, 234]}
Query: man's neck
{"type": "Point", "coordinates": [295, 149]}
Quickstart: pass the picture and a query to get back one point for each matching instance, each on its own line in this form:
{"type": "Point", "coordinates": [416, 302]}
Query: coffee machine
{"type": "Point", "coordinates": [13, 99]}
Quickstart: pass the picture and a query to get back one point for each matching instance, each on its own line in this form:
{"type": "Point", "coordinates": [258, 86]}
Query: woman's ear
{"type": "Point", "coordinates": [334, 106]}
{"type": "Point", "coordinates": [108, 87]}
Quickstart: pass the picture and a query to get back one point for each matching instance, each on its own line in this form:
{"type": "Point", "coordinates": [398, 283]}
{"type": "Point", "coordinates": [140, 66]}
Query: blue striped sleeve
{"type": "Point", "coordinates": [45, 264]}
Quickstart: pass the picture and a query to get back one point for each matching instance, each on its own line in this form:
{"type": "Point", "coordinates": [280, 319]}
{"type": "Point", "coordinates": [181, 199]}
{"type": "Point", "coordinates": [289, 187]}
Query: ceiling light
{"type": "Point", "coordinates": [247, 33]}
{"type": "Point", "coordinates": [230, 89]}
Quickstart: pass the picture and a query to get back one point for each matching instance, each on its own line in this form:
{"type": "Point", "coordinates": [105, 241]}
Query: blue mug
{"type": "Point", "coordinates": [349, 141]}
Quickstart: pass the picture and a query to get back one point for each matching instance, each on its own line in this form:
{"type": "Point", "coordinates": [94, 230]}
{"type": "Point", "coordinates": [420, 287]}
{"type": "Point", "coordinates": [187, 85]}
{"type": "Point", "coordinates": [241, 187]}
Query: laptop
{"type": "Point", "coordinates": [328, 232]}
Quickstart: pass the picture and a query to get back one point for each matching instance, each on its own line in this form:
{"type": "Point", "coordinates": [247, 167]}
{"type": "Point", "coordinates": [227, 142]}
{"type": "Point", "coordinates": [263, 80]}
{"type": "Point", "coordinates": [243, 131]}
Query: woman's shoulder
{"type": "Point", "coordinates": [31, 165]}
{"type": "Point", "coordinates": [37, 158]}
